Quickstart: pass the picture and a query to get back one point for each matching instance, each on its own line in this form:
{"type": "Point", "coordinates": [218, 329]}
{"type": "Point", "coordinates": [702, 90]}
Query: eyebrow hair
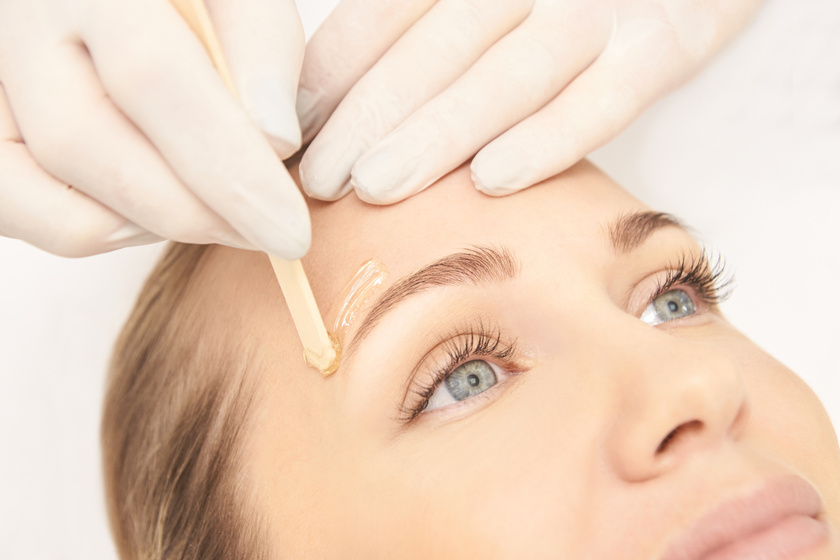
{"type": "Point", "coordinates": [478, 265]}
{"type": "Point", "coordinates": [471, 267]}
{"type": "Point", "coordinates": [630, 231]}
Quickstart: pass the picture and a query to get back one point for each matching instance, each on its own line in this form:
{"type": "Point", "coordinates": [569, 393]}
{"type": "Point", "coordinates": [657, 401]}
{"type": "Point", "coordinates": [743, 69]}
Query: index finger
{"type": "Point", "coordinates": [349, 42]}
{"type": "Point", "coordinates": [159, 75]}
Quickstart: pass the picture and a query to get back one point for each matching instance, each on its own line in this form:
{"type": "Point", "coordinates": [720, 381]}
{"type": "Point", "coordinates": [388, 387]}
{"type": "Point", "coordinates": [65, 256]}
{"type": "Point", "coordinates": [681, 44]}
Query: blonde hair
{"type": "Point", "coordinates": [177, 406]}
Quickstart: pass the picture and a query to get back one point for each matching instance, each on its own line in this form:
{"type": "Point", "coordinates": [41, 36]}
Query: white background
{"type": "Point", "coordinates": [748, 154]}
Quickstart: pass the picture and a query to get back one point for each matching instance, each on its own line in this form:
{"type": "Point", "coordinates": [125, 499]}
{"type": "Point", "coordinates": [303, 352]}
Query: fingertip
{"type": "Point", "coordinates": [129, 235]}
{"type": "Point", "coordinates": [291, 241]}
{"type": "Point", "coordinates": [235, 240]}
{"type": "Point", "coordinates": [510, 164]}
{"type": "Point", "coordinates": [275, 221]}
{"type": "Point", "coordinates": [290, 252]}
{"type": "Point", "coordinates": [85, 241]}
{"type": "Point", "coordinates": [318, 180]}
{"type": "Point", "coordinates": [479, 184]}
{"type": "Point", "coordinates": [125, 233]}
{"type": "Point", "coordinates": [382, 176]}
{"type": "Point", "coordinates": [284, 146]}
{"type": "Point", "coordinates": [271, 105]}
{"type": "Point", "coordinates": [344, 190]}
{"type": "Point", "coordinates": [492, 176]}
{"type": "Point", "coordinates": [303, 178]}
{"type": "Point", "coordinates": [363, 194]}
{"type": "Point", "coordinates": [278, 225]}
{"type": "Point", "coordinates": [296, 246]}
{"type": "Point", "coordinates": [380, 197]}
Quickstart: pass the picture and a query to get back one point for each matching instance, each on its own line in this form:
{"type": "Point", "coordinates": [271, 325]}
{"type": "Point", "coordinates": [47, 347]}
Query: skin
{"type": "Point", "coordinates": [559, 461]}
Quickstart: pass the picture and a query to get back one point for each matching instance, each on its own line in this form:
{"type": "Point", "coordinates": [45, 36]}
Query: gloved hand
{"type": "Point", "coordinates": [116, 130]}
{"type": "Point", "coordinates": [410, 89]}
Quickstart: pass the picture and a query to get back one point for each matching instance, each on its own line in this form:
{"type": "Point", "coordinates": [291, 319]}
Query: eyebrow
{"type": "Point", "coordinates": [473, 266]}
{"type": "Point", "coordinates": [481, 265]}
{"type": "Point", "coordinates": [629, 231]}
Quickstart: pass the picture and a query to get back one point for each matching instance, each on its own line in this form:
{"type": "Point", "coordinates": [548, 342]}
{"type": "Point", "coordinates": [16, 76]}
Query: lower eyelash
{"type": "Point", "coordinates": [460, 349]}
{"type": "Point", "coordinates": [707, 273]}
{"type": "Point", "coordinates": [709, 277]}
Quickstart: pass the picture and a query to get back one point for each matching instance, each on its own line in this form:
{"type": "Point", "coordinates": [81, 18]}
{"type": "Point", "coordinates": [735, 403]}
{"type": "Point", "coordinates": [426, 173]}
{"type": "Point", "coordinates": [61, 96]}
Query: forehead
{"type": "Point", "coordinates": [574, 208]}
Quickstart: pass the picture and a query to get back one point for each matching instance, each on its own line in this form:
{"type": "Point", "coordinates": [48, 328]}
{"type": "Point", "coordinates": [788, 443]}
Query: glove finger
{"type": "Point", "coordinates": [602, 101]}
{"type": "Point", "coordinates": [263, 45]}
{"type": "Point", "coordinates": [38, 209]}
{"type": "Point", "coordinates": [431, 55]}
{"type": "Point", "coordinates": [55, 217]}
{"type": "Point", "coordinates": [513, 79]}
{"type": "Point", "coordinates": [158, 74]}
{"type": "Point", "coordinates": [349, 42]}
{"type": "Point", "coordinates": [76, 134]}
{"type": "Point", "coordinates": [9, 131]}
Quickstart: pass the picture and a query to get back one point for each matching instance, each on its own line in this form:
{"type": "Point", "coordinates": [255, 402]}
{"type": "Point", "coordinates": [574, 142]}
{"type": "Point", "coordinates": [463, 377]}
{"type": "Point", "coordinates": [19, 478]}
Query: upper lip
{"type": "Point", "coordinates": [746, 514]}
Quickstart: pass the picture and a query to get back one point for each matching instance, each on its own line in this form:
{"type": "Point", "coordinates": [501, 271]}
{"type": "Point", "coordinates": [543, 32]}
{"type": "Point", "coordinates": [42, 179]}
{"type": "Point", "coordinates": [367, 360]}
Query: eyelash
{"type": "Point", "coordinates": [459, 349]}
{"type": "Point", "coordinates": [711, 282]}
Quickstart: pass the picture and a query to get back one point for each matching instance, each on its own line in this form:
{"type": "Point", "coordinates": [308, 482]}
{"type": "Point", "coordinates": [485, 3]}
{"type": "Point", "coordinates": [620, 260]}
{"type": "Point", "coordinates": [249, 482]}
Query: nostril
{"type": "Point", "coordinates": [681, 430]}
{"type": "Point", "coordinates": [667, 440]}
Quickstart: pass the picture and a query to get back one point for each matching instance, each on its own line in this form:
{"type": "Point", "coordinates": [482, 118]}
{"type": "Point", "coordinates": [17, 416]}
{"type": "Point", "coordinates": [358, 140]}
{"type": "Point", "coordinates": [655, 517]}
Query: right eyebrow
{"type": "Point", "coordinates": [470, 267]}
{"type": "Point", "coordinates": [629, 231]}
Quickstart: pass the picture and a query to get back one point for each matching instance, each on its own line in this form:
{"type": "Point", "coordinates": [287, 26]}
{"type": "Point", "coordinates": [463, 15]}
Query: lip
{"type": "Point", "coordinates": [778, 520]}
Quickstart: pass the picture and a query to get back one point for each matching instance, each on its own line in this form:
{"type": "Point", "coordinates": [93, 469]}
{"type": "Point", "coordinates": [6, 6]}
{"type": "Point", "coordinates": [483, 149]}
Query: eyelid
{"type": "Point", "coordinates": [704, 276]}
{"type": "Point", "coordinates": [476, 342]}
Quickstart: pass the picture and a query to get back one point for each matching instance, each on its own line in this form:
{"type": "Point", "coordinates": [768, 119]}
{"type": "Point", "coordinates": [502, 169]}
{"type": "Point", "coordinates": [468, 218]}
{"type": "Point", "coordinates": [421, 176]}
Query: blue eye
{"type": "Point", "coordinates": [673, 304]}
{"type": "Point", "coordinates": [465, 381]}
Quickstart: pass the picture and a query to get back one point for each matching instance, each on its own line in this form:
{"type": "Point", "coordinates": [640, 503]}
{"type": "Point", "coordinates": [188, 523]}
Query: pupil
{"type": "Point", "coordinates": [473, 380]}
{"type": "Point", "coordinates": [672, 306]}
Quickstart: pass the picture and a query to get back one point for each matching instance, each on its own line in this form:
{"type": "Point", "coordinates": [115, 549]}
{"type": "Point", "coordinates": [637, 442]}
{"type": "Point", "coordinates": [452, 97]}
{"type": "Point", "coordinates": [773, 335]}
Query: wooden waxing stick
{"type": "Point", "coordinates": [320, 350]}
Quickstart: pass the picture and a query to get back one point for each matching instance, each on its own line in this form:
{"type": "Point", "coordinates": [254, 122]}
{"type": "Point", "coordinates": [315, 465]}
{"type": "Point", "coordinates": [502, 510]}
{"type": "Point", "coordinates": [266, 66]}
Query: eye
{"type": "Point", "coordinates": [673, 304]}
{"type": "Point", "coordinates": [465, 381]}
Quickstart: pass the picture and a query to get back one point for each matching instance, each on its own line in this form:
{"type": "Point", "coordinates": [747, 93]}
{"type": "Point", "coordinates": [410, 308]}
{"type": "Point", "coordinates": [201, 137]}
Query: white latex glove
{"type": "Point", "coordinates": [532, 86]}
{"type": "Point", "coordinates": [116, 130]}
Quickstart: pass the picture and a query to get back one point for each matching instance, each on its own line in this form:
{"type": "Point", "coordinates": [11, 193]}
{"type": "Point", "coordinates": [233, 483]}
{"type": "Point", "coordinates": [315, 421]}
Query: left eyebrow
{"type": "Point", "coordinates": [471, 267]}
{"type": "Point", "coordinates": [629, 231]}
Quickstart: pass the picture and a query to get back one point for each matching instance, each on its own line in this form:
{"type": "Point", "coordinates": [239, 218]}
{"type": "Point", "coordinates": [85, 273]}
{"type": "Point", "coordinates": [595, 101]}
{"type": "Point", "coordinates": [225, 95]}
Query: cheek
{"type": "Point", "coordinates": [501, 483]}
{"type": "Point", "coordinates": [789, 423]}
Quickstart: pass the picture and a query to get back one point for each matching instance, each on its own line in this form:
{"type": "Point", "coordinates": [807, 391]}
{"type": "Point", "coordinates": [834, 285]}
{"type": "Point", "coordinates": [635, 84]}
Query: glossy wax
{"type": "Point", "coordinates": [366, 283]}
{"type": "Point", "coordinates": [327, 359]}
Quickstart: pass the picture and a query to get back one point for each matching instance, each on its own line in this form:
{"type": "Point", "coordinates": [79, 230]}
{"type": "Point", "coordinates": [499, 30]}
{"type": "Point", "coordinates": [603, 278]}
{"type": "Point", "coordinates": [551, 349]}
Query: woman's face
{"type": "Point", "coordinates": [597, 417]}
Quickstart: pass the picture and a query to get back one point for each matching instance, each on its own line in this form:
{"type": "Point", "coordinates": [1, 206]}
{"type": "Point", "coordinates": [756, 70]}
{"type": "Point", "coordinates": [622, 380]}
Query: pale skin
{"type": "Point", "coordinates": [569, 458]}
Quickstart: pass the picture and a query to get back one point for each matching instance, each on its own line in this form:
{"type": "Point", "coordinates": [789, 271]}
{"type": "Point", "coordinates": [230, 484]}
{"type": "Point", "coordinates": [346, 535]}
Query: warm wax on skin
{"type": "Point", "coordinates": [359, 290]}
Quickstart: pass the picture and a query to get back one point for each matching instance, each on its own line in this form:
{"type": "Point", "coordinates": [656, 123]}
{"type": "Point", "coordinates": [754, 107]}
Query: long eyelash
{"type": "Point", "coordinates": [459, 349]}
{"type": "Point", "coordinates": [709, 277]}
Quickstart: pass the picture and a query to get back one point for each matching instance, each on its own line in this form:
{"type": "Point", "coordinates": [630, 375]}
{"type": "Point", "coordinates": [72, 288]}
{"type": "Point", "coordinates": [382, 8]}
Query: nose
{"type": "Point", "coordinates": [676, 397]}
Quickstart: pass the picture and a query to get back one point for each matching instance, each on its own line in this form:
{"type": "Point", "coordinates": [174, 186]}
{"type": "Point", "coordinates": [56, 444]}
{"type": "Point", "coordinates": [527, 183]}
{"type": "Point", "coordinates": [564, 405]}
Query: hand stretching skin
{"type": "Point", "coordinates": [410, 89]}
{"type": "Point", "coordinates": [116, 130]}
